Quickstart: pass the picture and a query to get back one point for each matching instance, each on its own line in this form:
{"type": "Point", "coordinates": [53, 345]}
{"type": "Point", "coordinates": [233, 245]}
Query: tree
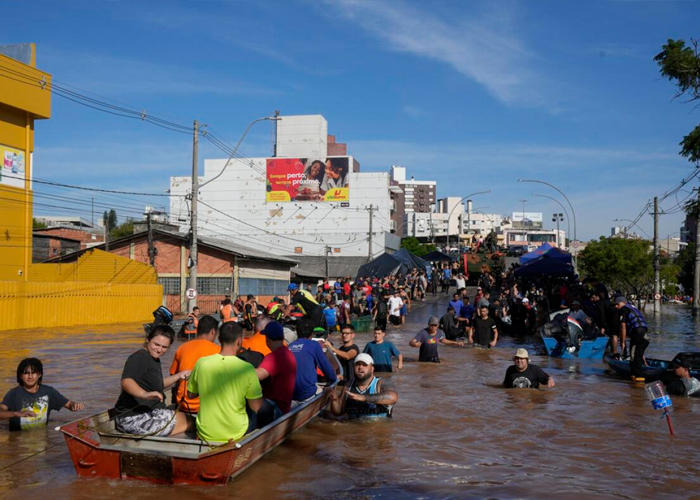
{"type": "Point", "coordinates": [110, 220]}
{"type": "Point", "coordinates": [624, 264]}
{"type": "Point", "coordinates": [686, 267]}
{"type": "Point", "coordinates": [416, 247]}
{"type": "Point", "coordinates": [124, 229]}
{"type": "Point", "coordinates": [681, 65]}
{"type": "Point", "coordinates": [37, 224]}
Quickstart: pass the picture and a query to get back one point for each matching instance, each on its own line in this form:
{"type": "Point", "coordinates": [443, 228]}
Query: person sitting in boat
{"type": "Point", "coordinates": [29, 405]}
{"type": "Point", "coordinates": [367, 396]}
{"type": "Point", "coordinates": [685, 385]}
{"type": "Point", "coordinates": [141, 408]}
{"type": "Point", "coordinates": [189, 353]}
{"type": "Point", "coordinates": [277, 374]}
{"type": "Point", "coordinates": [522, 374]}
{"type": "Point", "coordinates": [578, 314]}
{"type": "Point", "coordinates": [224, 384]}
{"type": "Point", "coordinates": [310, 356]}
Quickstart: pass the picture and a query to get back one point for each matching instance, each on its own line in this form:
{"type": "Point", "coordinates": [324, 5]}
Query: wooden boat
{"type": "Point", "coordinates": [97, 449]}
{"type": "Point", "coordinates": [655, 369]}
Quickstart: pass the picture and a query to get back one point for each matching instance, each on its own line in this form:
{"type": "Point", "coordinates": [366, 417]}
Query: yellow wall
{"type": "Point", "coordinates": [80, 293]}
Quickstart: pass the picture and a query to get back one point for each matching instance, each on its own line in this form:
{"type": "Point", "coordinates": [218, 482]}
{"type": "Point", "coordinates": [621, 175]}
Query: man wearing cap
{"type": "Point", "coordinates": [306, 304]}
{"type": "Point", "coordinates": [367, 396]}
{"type": "Point", "coordinates": [577, 314]}
{"type": "Point", "coordinates": [523, 375]}
{"type": "Point", "coordinates": [427, 341]}
{"type": "Point", "coordinates": [685, 385]}
{"type": "Point", "coordinates": [632, 322]}
{"type": "Point", "coordinates": [277, 375]}
{"type": "Point", "coordinates": [310, 357]}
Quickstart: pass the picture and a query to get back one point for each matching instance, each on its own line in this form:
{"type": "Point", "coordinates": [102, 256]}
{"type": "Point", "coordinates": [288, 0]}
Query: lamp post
{"type": "Point", "coordinates": [557, 218]}
{"type": "Point", "coordinates": [566, 213]}
{"type": "Point", "coordinates": [449, 217]}
{"type": "Point", "coordinates": [573, 212]}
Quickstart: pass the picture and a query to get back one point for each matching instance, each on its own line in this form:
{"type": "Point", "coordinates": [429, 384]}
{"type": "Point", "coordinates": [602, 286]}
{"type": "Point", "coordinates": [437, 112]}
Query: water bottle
{"type": "Point", "coordinates": [656, 392]}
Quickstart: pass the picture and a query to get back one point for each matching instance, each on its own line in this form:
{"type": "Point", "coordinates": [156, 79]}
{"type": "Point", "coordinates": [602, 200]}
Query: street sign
{"type": "Point", "coordinates": [657, 296]}
{"type": "Point", "coordinates": [575, 244]}
{"type": "Point", "coordinates": [191, 293]}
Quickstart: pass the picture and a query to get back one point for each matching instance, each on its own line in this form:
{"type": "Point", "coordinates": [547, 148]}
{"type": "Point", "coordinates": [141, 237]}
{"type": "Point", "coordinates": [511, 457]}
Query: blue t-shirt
{"type": "Point", "coordinates": [331, 314]}
{"type": "Point", "coordinates": [466, 311]}
{"type": "Point", "coordinates": [309, 355]}
{"type": "Point", "coordinates": [381, 354]}
{"type": "Point", "coordinates": [457, 305]}
{"type": "Point", "coordinates": [447, 274]}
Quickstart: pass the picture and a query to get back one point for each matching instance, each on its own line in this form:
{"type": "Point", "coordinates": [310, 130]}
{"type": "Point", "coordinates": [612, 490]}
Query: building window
{"type": "Point", "coordinates": [259, 286]}
{"type": "Point", "coordinates": [171, 286]}
{"type": "Point", "coordinates": [214, 286]}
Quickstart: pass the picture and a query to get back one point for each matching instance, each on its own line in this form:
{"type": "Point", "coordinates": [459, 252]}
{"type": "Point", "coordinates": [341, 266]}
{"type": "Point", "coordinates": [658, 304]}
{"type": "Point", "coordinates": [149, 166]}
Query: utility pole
{"type": "Point", "coordinates": [151, 245]}
{"type": "Point", "coordinates": [371, 218]}
{"type": "Point", "coordinates": [657, 259]}
{"type": "Point", "coordinates": [328, 249]}
{"type": "Point", "coordinates": [191, 303]}
{"type": "Point", "coordinates": [105, 224]}
{"type": "Point", "coordinates": [92, 213]}
{"type": "Point", "coordinates": [696, 274]}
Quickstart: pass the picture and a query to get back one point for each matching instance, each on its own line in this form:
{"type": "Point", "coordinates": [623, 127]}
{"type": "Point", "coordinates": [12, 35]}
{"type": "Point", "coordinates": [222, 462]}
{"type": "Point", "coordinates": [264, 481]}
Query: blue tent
{"type": "Point", "coordinates": [549, 250]}
{"type": "Point", "coordinates": [546, 265]}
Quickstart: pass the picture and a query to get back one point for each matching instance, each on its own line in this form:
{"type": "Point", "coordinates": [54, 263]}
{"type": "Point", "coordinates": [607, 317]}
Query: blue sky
{"type": "Point", "coordinates": [472, 94]}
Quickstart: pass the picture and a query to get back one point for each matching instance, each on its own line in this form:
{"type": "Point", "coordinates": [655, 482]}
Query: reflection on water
{"type": "Point", "coordinates": [456, 433]}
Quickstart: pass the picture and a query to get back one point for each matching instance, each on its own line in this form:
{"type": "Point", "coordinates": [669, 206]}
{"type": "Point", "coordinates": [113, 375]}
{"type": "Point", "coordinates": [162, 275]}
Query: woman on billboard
{"type": "Point", "coordinates": [336, 174]}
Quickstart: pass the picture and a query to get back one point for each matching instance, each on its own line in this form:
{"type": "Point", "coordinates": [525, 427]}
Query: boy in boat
{"type": "Point", "coordinates": [367, 396]}
{"type": "Point", "coordinates": [29, 405]}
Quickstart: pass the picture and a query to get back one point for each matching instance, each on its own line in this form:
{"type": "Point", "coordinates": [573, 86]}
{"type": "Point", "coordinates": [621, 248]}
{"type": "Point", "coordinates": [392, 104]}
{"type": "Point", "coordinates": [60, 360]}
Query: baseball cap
{"type": "Point", "coordinates": [364, 358]}
{"type": "Point", "coordinates": [680, 362]}
{"type": "Point", "coordinates": [620, 300]}
{"type": "Point", "coordinates": [292, 286]}
{"type": "Point", "coordinates": [522, 353]}
{"type": "Point", "coordinates": [273, 331]}
{"type": "Point", "coordinates": [433, 320]}
{"type": "Point", "coordinates": [575, 303]}
{"type": "Point", "coordinates": [526, 300]}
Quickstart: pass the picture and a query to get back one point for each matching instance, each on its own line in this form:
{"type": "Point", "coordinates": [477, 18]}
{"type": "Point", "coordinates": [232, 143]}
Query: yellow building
{"type": "Point", "coordinates": [94, 290]}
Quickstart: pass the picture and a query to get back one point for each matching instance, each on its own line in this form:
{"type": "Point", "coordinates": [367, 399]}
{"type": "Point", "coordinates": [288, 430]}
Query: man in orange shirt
{"type": "Point", "coordinates": [257, 342]}
{"type": "Point", "coordinates": [189, 353]}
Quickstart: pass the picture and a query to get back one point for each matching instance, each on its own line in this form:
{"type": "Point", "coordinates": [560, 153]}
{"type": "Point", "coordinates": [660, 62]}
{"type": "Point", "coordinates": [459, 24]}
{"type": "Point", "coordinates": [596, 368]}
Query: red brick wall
{"type": "Point", "coordinates": [75, 234]}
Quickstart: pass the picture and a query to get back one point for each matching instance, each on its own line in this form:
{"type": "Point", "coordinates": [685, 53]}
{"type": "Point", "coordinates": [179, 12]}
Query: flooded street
{"type": "Point", "coordinates": [455, 432]}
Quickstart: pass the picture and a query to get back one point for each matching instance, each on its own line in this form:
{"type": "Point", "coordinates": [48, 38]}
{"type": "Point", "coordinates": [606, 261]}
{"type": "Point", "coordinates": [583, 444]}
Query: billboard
{"type": "Point", "coordinates": [13, 165]}
{"type": "Point", "coordinates": [527, 217]}
{"type": "Point", "coordinates": [308, 179]}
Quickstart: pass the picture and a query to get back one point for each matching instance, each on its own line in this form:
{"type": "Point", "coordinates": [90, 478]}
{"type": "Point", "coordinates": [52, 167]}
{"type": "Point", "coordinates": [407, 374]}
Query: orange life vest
{"type": "Point", "coordinates": [191, 328]}
{"type": "Point", "coordinates": [227, 313]}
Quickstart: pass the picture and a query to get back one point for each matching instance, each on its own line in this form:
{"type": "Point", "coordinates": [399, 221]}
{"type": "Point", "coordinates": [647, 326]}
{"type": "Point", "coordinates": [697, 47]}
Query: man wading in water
{"type": "Point", "coordinates": [427, 341]}
{"type": "Point", "coordinates": [367, 396]}
{"type": "Point", "coordinates": [523, 375]}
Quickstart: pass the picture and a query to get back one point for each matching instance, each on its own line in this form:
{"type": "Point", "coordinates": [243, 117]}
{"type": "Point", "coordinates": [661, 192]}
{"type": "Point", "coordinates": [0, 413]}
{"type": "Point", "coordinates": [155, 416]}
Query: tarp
{"type": "Point", "coordinates": [387, 264]}
{"type": "Point", "coordinates": [545, 265]}
{"type": "Point", "coordinates": [548, 250]}
{"type": "Point", "coordinates": [437, 256]}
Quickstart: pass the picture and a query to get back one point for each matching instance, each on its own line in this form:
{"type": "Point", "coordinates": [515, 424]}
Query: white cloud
{"type": "Point", "coordinates": [484, 49]}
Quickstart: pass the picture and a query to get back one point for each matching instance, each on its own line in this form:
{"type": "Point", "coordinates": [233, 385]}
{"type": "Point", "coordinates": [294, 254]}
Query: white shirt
{"type": "Point", "coordinates": [460, 283]}
{"type": "Point", "coordinates": [395, 304]}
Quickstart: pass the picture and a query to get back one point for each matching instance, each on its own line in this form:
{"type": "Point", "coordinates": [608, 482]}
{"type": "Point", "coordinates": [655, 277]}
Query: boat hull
{"type": "Point", "coordinates": [173, 460]}
{"type": "Point", "coordinates": [589, 349]}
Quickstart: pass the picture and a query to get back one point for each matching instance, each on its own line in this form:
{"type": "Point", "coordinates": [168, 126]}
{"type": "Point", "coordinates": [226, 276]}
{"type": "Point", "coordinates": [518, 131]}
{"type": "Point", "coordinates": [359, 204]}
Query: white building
{"type": "Point", "coordinates": [235, 205]}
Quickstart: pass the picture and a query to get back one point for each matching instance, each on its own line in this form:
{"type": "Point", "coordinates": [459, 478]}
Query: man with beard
{"type": "Point", "coordinates": [523, 375]}
{"type": "Point", "coordinates": [367, 396]}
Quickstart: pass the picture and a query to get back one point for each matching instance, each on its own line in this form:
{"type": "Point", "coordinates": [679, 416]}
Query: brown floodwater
{"type": "Point", "coordinates": [455, 432]}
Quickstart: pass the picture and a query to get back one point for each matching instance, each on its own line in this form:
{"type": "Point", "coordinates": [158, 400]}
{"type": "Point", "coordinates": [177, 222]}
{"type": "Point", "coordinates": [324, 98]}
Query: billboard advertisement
{"type": "Point", "coordinates": [527, 217]}
{"type": "Point", "coordinates": [308, 179]}
{"type": "Point", "coordinates": [13, 165]}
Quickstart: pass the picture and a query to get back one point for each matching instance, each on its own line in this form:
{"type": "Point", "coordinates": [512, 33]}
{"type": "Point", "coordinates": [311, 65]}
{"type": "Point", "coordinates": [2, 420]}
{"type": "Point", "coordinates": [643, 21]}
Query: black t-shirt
{"type": "Point", "coordinates": [41, 403]}
{"type": "Point", "coordinates": [146, 372]}
{"type": "Point", "coordinates": [484, 329]}
{"type": "Point", "coordinates": [532, 377]}
{"type": "Point", "coordinates": [301, 300]}
{"type": "Point", "coordinates": [348, 365]}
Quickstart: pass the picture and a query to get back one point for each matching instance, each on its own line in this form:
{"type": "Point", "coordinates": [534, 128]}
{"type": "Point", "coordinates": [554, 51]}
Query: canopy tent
{"type": "Point", "coordinates": [438, 256]}
{"type": "Point", "coordinates": [545, 265]}
{"type": "Point", "coordinates": [387, 264]}
{"type": "Point", "coordinates": [548, 250]}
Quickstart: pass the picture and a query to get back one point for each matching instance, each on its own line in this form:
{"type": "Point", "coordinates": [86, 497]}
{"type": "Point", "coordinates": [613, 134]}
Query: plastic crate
{"type": "Point", "coordinates": [363, 324]}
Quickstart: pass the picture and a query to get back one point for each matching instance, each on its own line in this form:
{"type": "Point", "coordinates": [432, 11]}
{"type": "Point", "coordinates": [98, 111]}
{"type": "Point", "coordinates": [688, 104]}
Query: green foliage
{"type": "Point", "coordinates": [681, 65]}
{"type": "Point", "coordinates": [626, 265]}
{"type": "Point", "coordinates": [122, 230]}
{"type": "Point", "coordinates": [686, 267]}
{"type": "Point", "coordinates": [416, 247]}
{"type": "Point", "coordinates": [37, 224]}
{"type": "Point", "coordinates": [109, 219]}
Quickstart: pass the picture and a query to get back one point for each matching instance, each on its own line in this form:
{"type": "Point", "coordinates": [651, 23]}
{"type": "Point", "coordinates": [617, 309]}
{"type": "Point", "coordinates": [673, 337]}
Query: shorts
{"type": "Point", "coordinates": [403, 311]}
{"type": "Point", "coordinates": [159, 422]}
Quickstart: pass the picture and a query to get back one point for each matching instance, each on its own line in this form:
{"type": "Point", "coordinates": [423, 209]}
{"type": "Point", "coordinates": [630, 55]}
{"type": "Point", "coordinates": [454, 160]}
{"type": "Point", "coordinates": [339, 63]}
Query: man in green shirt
{"type": "Point", "coordinates": [224, 384]}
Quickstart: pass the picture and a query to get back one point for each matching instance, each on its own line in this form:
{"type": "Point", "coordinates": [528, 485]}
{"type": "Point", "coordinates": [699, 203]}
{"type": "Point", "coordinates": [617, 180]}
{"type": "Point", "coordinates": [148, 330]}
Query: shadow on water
{"type": "Point", "coordinates": [455, 433]}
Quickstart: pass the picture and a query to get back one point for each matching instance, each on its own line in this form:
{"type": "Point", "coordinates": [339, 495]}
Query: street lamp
{"type": "Point", "coordinates": [573, 212]}
{"type": "Point", "coordinates": [566, 213]}
{"type": "Point", "coordinates": [449, 217]}
{"type": "Point", "coordinates": [557, 218]}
